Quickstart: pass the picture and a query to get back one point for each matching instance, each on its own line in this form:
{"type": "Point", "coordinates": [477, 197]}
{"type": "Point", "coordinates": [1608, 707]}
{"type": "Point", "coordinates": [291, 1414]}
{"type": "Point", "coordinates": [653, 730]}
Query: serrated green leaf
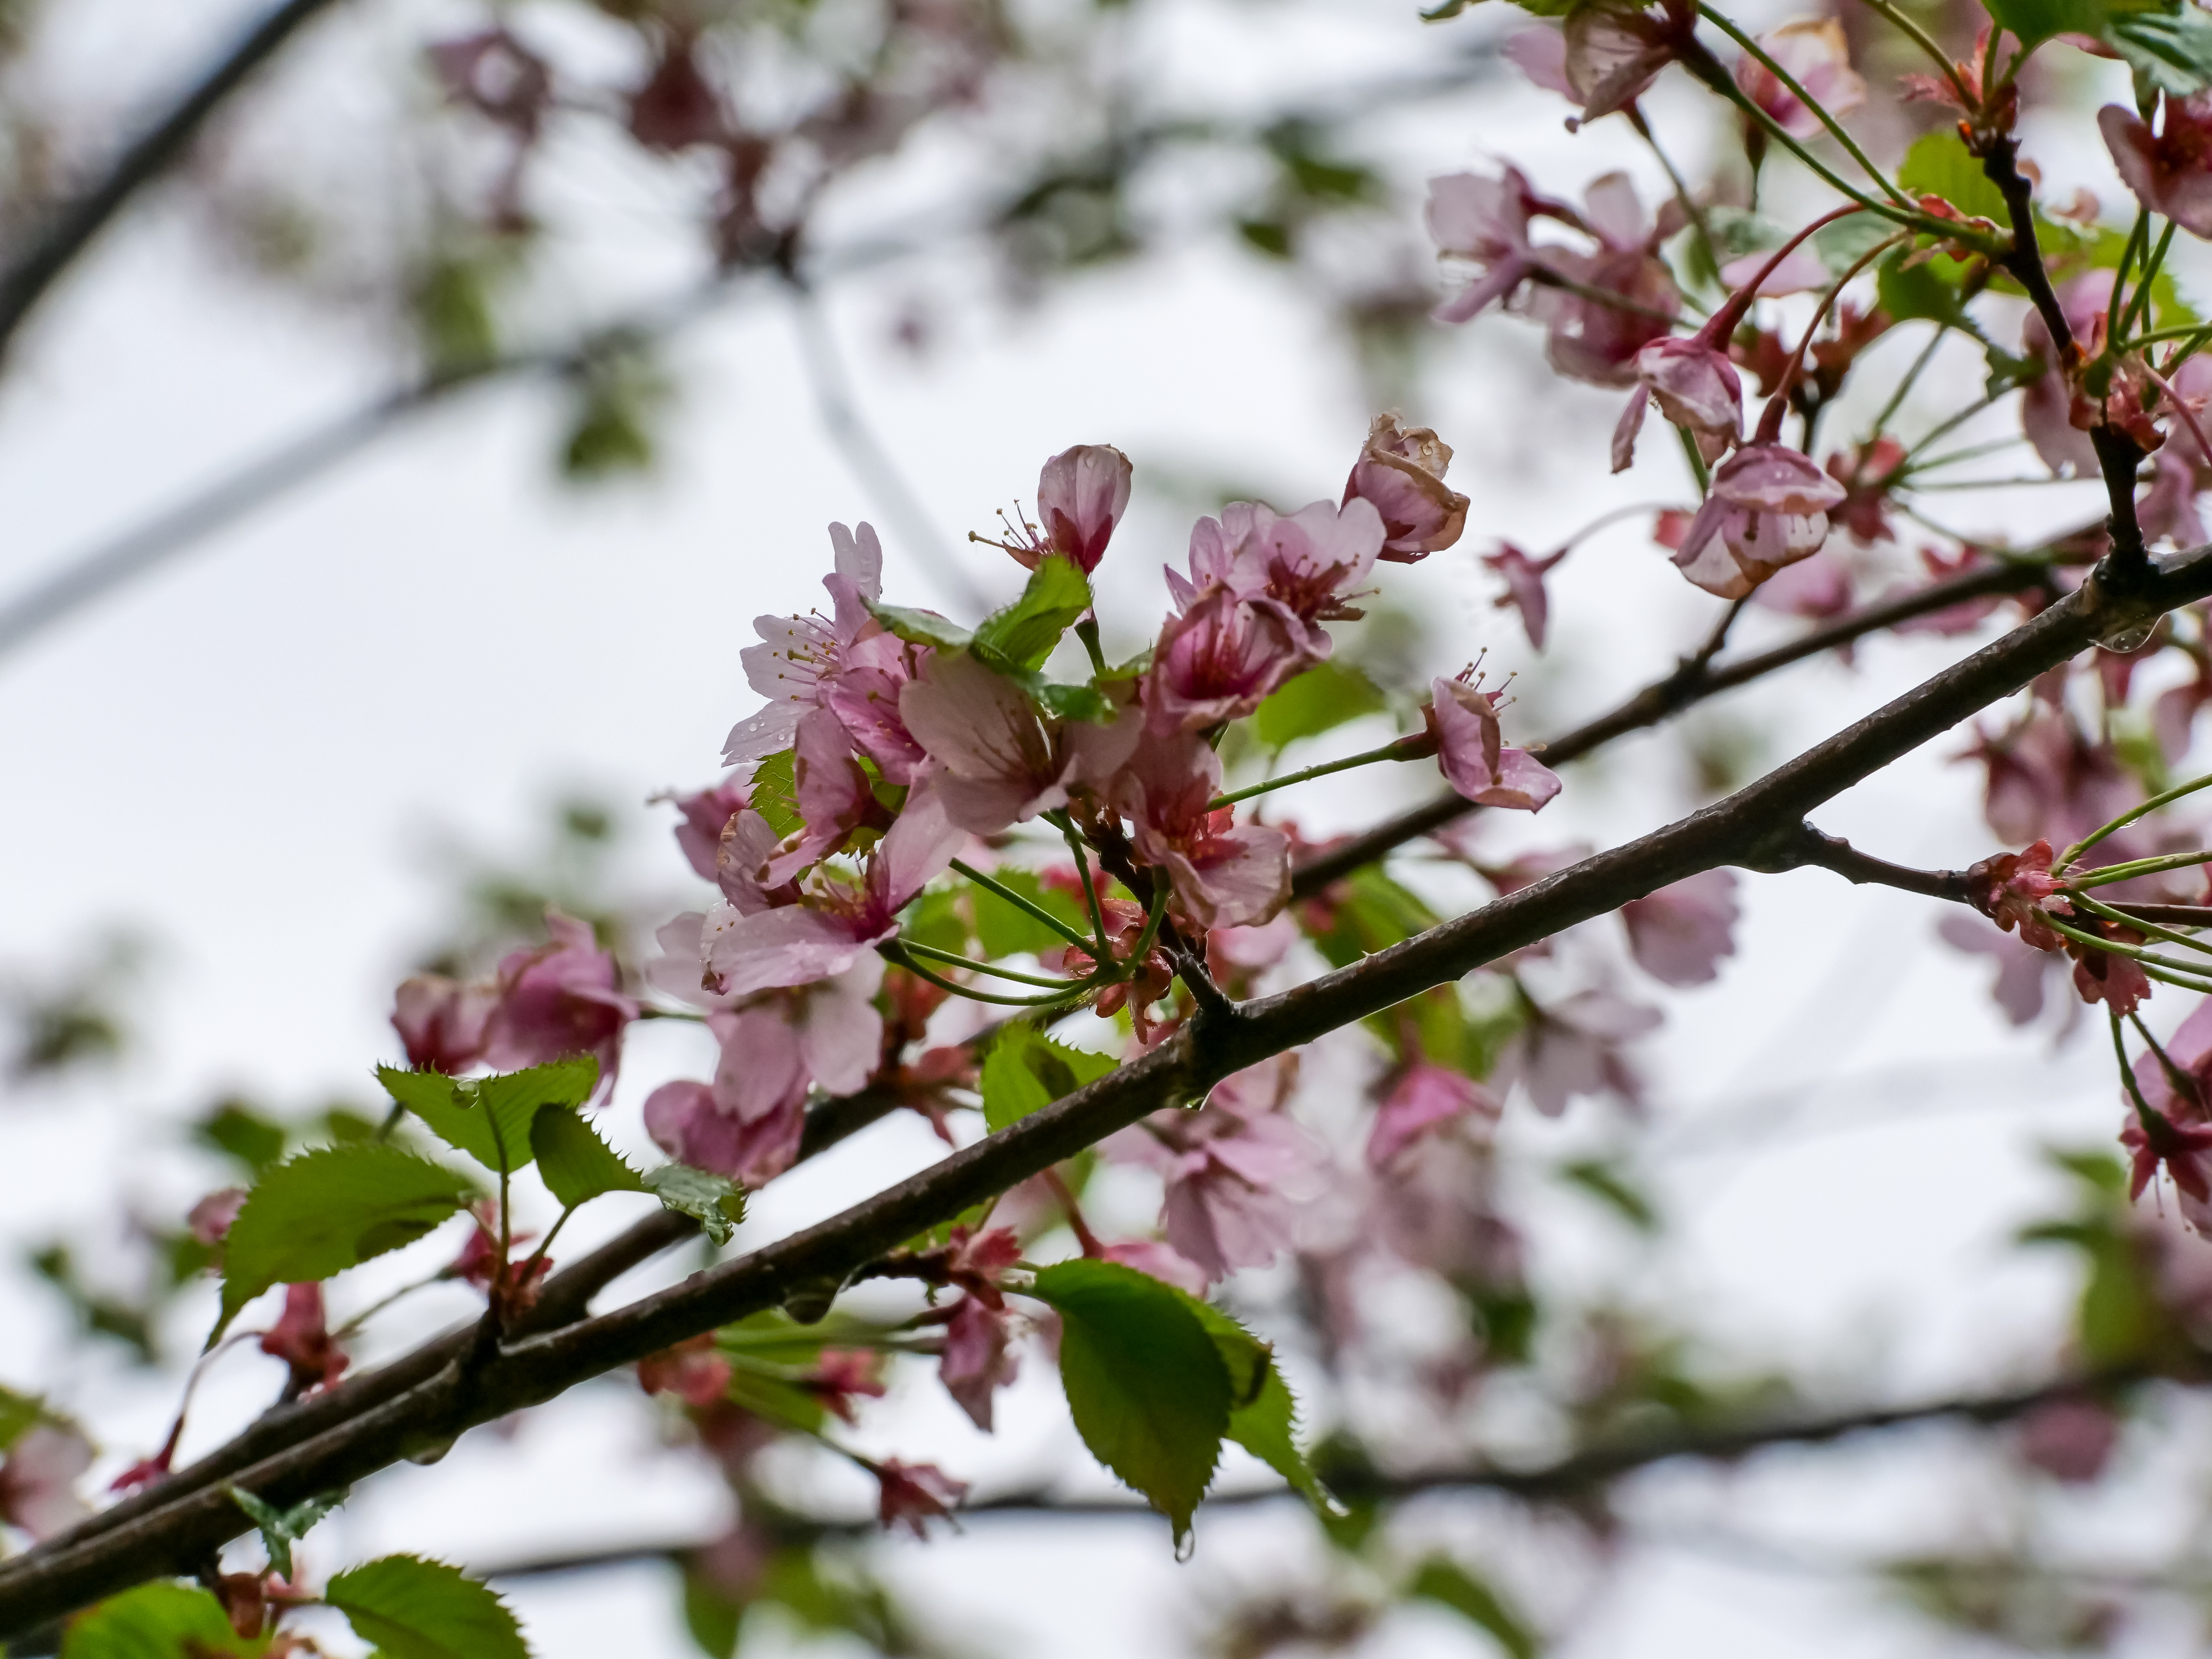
{"type": "Point", "coordinates": [773, 792]}
{"type": "Point", "coordinates": [1317, 701]}
{"type": "Point", "coordinates": [1026, 1071]}
{"type": "Point", "coordinates": [1145, 1381]}
{"type": "Point", "coordinates": [1263, 1414]}
{"type": "Point", "coordinates": [716, 1203]}
{"type": "Point", "coordinates": [2036, 21]}
{"type": "Point", "coordinates": [574, 1163]}
{"type": "Point", "coordinates": [2170, 50]}
{"type": "Point", "coordinates": [326, 1211]}
{"type": "Point", "coordinates": [156, 1621]}
{"type": "Point", "coordinates": [412, 1608]}
{"type": "Point", "coordinates": [1025, 633]}
{"type": "Point", "coordinates": [921, 626]}
{"type": "Point", "coordinates": [1938, 165]}
{"type": "Point", "coordinates": [282, 1528]}
{"type": "Point", "coordinates": [489, 1118]}
{"type": "Point", "coordinates": [1442, 1580]}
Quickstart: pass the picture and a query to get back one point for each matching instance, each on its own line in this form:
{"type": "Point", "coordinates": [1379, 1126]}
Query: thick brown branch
{"type": "Point", "coordinates": [72, 227]}
{"type": "Point", "coordinates": [1692, 681]}
{"type": "Point", "coordinates": [1749, 827]}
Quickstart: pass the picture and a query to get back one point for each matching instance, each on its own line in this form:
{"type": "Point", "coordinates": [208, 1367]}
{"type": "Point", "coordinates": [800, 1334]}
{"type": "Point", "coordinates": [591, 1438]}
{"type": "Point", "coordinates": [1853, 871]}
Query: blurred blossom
{"type": "Point", "coordinates": [1817, 57]}
{"type": "Point", "coordinates": [1424, 1098]}
{"type": "Point", "coordinates": [1679, 934]}
{"type": "Point", "coordinates": [2169, 171]}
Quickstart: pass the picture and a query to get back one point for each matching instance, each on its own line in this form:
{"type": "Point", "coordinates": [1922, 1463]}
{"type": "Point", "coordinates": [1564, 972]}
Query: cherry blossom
{"type": "Point", "coordinates": [1224, 875]}
{"type": "Point", "coordinates": [978, 1359]}
{"type": "Point", "coordinates": [561, 998]}
{"type": "Point", "coordinates": [833, 795]}
{"type": "Point", "coordinates": [912, 1495]}
{"type": "Point", "coordinates": [1767, 508]}
{"type": "Point", "coordinates": [1679, 934]}
{"type": "Point", "coordinates": [1082, 494]}
{"type": "Point", "coordinates": [1485, 222]}
{"type": "Point", "coordinates": [707, 813]}
{"type": "Point", "coordinates": [1595, 337]}
{"type": "Point", "coordinates": [2189, 1049]}
{"type": "Point", "coordinates": [1400, 471]}
{"type": "Point", "coordinates": [1697, 388]}
{"type": "Point", "coordinates": [1162, 1260]}
{"type": "Point", "coordinates": [835, 919]}
{"type": "Point", "coordinates": [1424, 1098]}
{"type": "Point", "coordinates": [1819, 58]}
{"type": "Point", "coordinates": [1221, 657]}
{"type": "Point", "coordinates": [1572, 1047]}
{"type": "Point", "coordinates": [2183, 1150]}
{"type": "Point", "coordinates": [850, 664]}
{"type": "Point", "coordinates": [693, 1371]}
{"type": "Point", "coordinates": [303, 1340]}
{"type": "Point", "coordinates": [685, 1122]}
{"type": "Point", "coordinates": [1471, 749]}
{"type": "Point", "coordinates": [2170, 171]}
{"type": "Point", "coordinates": [209, 1220]}
{"type": "Point", "coordinates": [2011, 888]}
{"type": "Point", "coordinates": [37, 1483]}
{"type": "Point", "coordinates": [442, 1023]}
{"type": "Point", "coordinates": [1001, 763]}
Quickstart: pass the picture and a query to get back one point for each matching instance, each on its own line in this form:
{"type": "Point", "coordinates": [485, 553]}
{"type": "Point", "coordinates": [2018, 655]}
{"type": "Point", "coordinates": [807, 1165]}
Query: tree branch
{"type": "Point", "coordinates": [1692, 681]}
{"type": "Point", "coordinates": [1833, 853]}
{"type": "Point", "coordinates": [73, 226]}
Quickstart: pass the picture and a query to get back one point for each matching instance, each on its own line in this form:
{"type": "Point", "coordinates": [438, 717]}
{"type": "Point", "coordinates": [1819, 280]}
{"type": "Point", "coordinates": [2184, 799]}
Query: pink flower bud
{"type": "Point", "coordinates": [1401, 471]}
{"type": "Point", "coordinates": [1081, 495]}
{"type": "Point", "coordinates": [441, 1021]}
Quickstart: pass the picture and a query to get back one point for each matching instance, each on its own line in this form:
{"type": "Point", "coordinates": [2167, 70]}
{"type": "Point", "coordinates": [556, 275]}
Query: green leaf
{"type": "Point", "coordinates": [1005, 929]}
{"type": "Point", "coordinates": [19, 1412]}
{"type": "Point", "coordinates": [1145, 1381]}
{"type": "Point", "coordinates": [2036, 21]}
{"type": "Point", "coordinates": [156, 1621]}
{"type": "Point", "coordinates": [1068, 702]}
{"type": "Point", "coordinates": [1025, 633]}
{"type": "Point", "coordinates": [1317, 701]}
{"type": "Point", "coordinates": [237, 1130]}
{"type": "Point", "coordinates": [716, 1204]}
{"type": "Point", "coordinates": [574, 1163]}
{"type": "Point", "coordinates": [1604, 1182]}
{"type": "Point", "coordinates": [774, 789]}
{"type": "Point", "coordinates": [1375, 913]}
{"type": "Point", "coordinates": [1263, 1415]}
{"type": "Point", "coordinates": [411, 1608]}
{"type": "Point", "coordinates": [921, 626]}
{"type": "Point", "coordinates": [1442, 1580]}
{"type": "Point", "coordinates": [1026, 1071]}
{"type": "Point", "coordinates": [489, 1118]}
{"type": "Point", "coordinates": [2170, 50]}
{"type": "Point", "coordinates": [324, 1212]}
{"type": "Point", "coordinates": [1938, 165]}
{"type": "Point", "coordinates": [935, 919]}
{"type": "Point", "coordinates": [282, 1528]}
{"type": "Point", "coordinates": [1845, 243]}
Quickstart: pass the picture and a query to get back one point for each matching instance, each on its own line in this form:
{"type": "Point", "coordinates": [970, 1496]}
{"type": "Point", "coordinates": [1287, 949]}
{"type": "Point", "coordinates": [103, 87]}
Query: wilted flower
{"type": "Point", "coordinates": [1697, 388]}
{"type": "Point", "coordinates": [1402, 472]}
{"type": "Point", "coordinates": [1485, 221]}
{"type": "Point", "coordinates": [1819, 58]}
{"type": "Point", "coordinates": [1524, 588]}
{"type": "Point", "coordinates": [1471, 749]}
{"type": "Point", "coordinates": [1767, 507]}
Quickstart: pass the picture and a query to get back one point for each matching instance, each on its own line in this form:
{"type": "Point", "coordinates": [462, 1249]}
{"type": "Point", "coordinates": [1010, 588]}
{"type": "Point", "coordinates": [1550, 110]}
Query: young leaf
{"type": "Point", "coordinates": [411, 1608]}
{"type": "Point", "coordinates": [1025, 633]}
{"type": "Point", "coordinates": [324, 1212]}
{"type": "Point", "coordinates": [1442, 1580]}
{"type": "Point", "coordinates": [489, 1118]}
{"type": "Point", "coordinates": [282, 1528]}
{"type": "Point", "coordinates": [2170, 50]}
{"type": "Point", "coordinates": [1145, 1381]}
{"type": "Point", "coordinates": [921, 626]}
{"type": "Point", "coordinates": [1005, 929]}
{"type": "Point", "coordinates": [1317, 701]}
{"type": "Point", "coordinates": [2034, 21]}
{"type": "Point", "coordinates": [1938, 165]}
{"type": "Point", "coordinates": [774, 790]}
{"type": "Point", "coordinates": [574, 1163]}
{"type": "Point", "coordinates": [1068, 702]}
{"type": "Point", "coordinates": [156, 1621]}
{"type": "Point", "coordinates": [716, 1204]}
{"type": "Point", "coordinates": [1263, 1414]}
{"type": "Point", "coordinates": [1027, 1070]}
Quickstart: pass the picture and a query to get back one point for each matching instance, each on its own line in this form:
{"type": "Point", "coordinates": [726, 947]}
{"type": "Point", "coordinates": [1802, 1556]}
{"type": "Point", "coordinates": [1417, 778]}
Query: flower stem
{"type": "Point", "coordinates": [1151, 925]}
{"type": "Point", "coordinates": [2148, 929]}
{"type": "Point", "coordinates": [1904, 385]}
{"type": "Point", "coordinates": [2151, 1120]}
{"type": "Point", "coordinates": [2129, 817]}
{"type": "Point", "coordinates": [2202, 976]}
{"type": "Point", "coordinates": [951, 959]}
{"type": "Point", "coordinates": [962, 867]}
{"type": "Point", "coordinates": [898, 952]}
{"type": "Point", "coordinates": [2138, 235]}
{"type": "Point", "coordinates": [2184, 1085]}
{"type": "Point", "coordinates": [1104, 953]}
{"type": "Point", "coordinates": [1927, 43]}
{"type": "Point", "coordinates": [2140, 305]}
{"type": "Point", "coordinates": [2105, 875]}
{"type": "Point", "coordinates": [1398, 749]}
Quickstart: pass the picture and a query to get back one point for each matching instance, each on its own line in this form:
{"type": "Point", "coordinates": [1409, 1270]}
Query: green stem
{"type": "Point", "coordinates": [1905, 387]}
{"type": "Point", "coordinates": [895, 950]}
{"type": "Point", "coordinates": [1690, 206]}
{"type": "Point", "coordinates": [951, 959]}
{"type": "Point", "coordinates": [1951, 424]}
{"type": "Point", "coordinates": [2130, 816]}
{"type": "Point", "coordinates": [1087, 631]}
{"type": "Point", "coordinates": [1952, 458]}
{"type": "Point", "coordinates": [1835, 127]}
{"type": "Point", "coordinates": [961, 867]}
{"type": "Point", "coordinates": [2140, 303]}
{"type": "Point", "coordinates": [2151, 1120]}
{"type": "Point", "coordinates": [2137, 237]}
{"type": "Point", "coordinates": [2184, 1085]}
{"type": "Point", "coordinates": [1104, 955]}
{"type": "Point", "coordinates": [1396, 750]}
{"type": "Point", "coordinates": [1927, 43]}
{"type": "Point", "coordinates": [1151, 924]}
{"type": "Point", "coordinates": [2133, 952]}
{"type": "Point", "coordinates": [2105, 875]}
{"type": "Point", "coordinates": [1698, 470]}
{"type": "Point", "coordinates": [2148, 929]}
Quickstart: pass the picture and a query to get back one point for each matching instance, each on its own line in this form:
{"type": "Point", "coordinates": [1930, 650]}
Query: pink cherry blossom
{"type": "Point", "coordinates": [1524, 588]}
{"type": "Point", "coordinates": [561, 998]}
{"type": "Point", "coordinates": [707, 813]}
{"type": "Point", "coordinates": [1402, 472]}
{"type": "Point", "coordinates": [2021, 968]}
{"type": "Point", "coordinates": [1611, 56]}
{"type": "Point", "coordinates": [1572, 1047]}
{"type": "Point", "coordinates": [850, 664]}
{"type": "Point", "coordinates": [303, 1340]}
{"type": "Point", "coordinates": [2047, 781]}
{"type": "Point", "coordinates": [1162, 1261]}
{"type": "Point", "coordinates": [1819, 59]}
{"type": "Point", "coordinates": [835, 919]}
{"type": "Point", "coordinates": [37, 1483]}
{"type": "Point", "coordinates": [978, 1358]}
{"type": "Point", "coordinates": [834, 797]}
{"type": "Point", "coordinates": [1221, 657]}
{"type": "Point", "coordinates": [1679, 934]}
{"type": "Point", "coordinates": [1485, 222]}
{"type": "Point", "coordinates": [442, 1023]}
{"type": "Point", "coordinates": [1767, 507]}
{"type": "Point", "coordinates": [1002, 762]}
{"type": "Point", "coordinates": [2171, 171]}
{"type": "Point", "coordinates": [686, 1122]}
{"type": "Point", "coordinates": [1540, 51]}
{"type": "Point", "coordinates": [1425, 1097]}
{"type": "Point", "coordinates": [1224, 875]}
{"type": "Point", "coordinates": [1697, 388]}
{"type": "Point", "coordinates": [2183, 1150]}
{"type": "Point", "coordinates": [912, 1495]}
{"type": "Point", "coordinates": [1471, 750]}
{"type": "Point", "coordinates": [1596, 339]}
{"type": "Point", "coordinates": [2190, 1049]}
{"type": "Point", "coordinates": [1081, 495]}
{"type": "Point", "coordinates": [2010, 889]}
{"type": "Point", "coordinates": [209, 1220]}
